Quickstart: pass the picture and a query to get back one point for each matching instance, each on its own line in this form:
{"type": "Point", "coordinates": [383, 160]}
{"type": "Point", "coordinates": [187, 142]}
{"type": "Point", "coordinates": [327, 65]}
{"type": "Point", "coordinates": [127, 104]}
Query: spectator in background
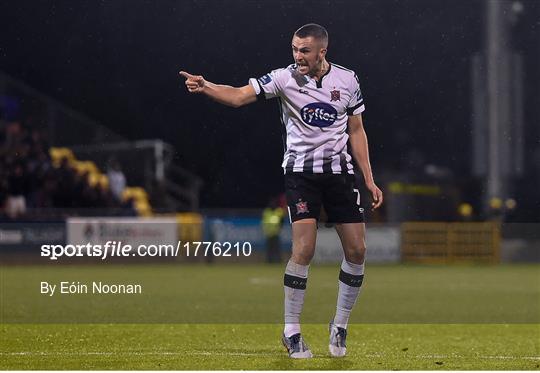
{"type": "Point", "coordinates": [14, 135]}
{"type": "Point", "coordinates": [17, 183]}
{"type": "Point", "coordinates": [128, 207]}
{"type": "Point", "coordinates": [64, 192]}
{"type": "Point", "coordinates": [30, 185]}
{"type": "Point", "coordinates": [3, 194]}
{"type": "Point", "coordinates": [117, 180]}
{"type": "Point", "coordinates": [272, 222]}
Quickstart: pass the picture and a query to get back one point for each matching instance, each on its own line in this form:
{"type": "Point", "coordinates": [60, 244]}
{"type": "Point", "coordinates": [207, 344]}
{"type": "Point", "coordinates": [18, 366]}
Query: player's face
{"type": "Point", "coordinates": [308, 54]}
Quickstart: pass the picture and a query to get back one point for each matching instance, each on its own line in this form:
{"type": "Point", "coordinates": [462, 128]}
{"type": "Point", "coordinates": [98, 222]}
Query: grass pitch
{"type": "Point", "coordinates": [242, 346]}
{"type": "Point", "coordinates": [229, 317]}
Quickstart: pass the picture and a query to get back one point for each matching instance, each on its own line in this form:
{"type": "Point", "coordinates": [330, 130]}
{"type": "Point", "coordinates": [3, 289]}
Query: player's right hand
{"type": "Point", "coordinates": [194, 83]}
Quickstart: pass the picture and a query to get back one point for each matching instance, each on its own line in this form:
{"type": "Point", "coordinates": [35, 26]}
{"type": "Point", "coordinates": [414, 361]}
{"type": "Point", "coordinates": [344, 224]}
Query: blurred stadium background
{"type": "Point", "coordinates": [462, 156]}
{"type": "Point", "coordinates": [99, 141]}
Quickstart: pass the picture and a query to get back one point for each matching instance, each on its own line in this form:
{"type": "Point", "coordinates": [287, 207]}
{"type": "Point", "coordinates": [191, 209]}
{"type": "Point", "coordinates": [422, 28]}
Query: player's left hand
{"type": "Point", "coordinates": [376, 194]}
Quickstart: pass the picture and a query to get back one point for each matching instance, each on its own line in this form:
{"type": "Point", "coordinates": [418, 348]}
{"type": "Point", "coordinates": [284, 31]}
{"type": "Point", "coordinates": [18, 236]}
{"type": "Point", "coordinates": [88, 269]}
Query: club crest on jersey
{"type": "Point", "coordinates": [265, 79]}
{"type": "Point", "coordinates": [319, 114]}
{"type": "Point", "coordinates": [301, 207]}
{"type": "Point", "coordinates": [335, 95]}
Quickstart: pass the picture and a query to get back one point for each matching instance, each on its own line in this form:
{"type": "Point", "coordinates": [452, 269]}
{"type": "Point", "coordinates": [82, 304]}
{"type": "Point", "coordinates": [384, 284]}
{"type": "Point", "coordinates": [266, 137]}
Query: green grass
{"type": "Point", "coordinates": [229, 317]}
{"type": "Point", "coordinates": [241, 346]}
{"type": "Point", "coordinates": [254, 294]}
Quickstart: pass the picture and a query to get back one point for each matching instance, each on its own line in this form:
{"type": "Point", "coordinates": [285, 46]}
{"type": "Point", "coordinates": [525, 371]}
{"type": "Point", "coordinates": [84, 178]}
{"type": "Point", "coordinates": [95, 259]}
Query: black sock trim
{"type": "Point", "coordinates": [351, 280]}
{"type": "Point", "coordinates": [294, 282]}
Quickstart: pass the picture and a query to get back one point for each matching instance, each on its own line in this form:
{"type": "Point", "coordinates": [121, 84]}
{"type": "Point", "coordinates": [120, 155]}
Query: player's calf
{"type": "Point", "coordinates": [351, 277]}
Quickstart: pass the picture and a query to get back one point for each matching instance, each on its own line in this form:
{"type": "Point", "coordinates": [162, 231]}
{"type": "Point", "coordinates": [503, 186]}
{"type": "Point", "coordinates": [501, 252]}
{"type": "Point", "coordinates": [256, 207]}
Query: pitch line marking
{"type": "Point", "coordinates": [146, 353]}
{"type": "Point", "coordinates": [206, 353]}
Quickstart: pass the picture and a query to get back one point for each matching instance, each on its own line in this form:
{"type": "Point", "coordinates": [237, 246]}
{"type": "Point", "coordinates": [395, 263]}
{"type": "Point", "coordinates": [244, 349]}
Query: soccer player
{"type": "Point", "coordinates": [321, 106]}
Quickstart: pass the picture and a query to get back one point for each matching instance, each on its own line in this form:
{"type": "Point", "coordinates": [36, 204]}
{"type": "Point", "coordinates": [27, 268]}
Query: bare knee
{"type": "Point", "coordinates": [302, 254]}
{"type": "Point", "coordinates": [304, 233]}
{"type": "Point", "coordinates": [355, 254]}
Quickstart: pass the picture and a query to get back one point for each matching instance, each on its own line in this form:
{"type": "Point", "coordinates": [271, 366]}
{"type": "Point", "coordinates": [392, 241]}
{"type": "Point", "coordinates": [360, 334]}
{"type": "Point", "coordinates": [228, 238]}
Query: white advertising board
{"type": "Point", "coordinates": [128, 231]}
{"type": "Point", "coordinates": [382, 244]}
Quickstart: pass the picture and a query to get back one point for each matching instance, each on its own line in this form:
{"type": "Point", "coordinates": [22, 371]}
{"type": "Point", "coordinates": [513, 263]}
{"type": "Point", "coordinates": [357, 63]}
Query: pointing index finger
{"type": "Point", "coordinates": [186, 75]}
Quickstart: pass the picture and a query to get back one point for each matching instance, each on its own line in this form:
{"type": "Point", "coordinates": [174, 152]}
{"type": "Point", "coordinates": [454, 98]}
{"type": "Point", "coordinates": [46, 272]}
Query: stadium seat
{"type": "Point", "coordinates": [95, 177]}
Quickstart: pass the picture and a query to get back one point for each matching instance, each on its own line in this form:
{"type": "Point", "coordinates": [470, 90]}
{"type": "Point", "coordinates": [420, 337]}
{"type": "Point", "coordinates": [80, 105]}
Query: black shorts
{"type": "Point", "coordinates": [338, 193]}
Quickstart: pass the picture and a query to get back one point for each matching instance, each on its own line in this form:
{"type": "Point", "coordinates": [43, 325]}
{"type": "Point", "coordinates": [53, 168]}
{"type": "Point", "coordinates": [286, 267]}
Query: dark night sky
{"type": "Point", "coordinates": [117, 62]}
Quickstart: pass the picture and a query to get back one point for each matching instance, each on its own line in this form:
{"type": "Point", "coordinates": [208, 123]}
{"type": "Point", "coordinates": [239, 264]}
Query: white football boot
{"type": "Point", "coordinates": [296, 347]}
{"type": "Point", "coordinates": [338, 337]}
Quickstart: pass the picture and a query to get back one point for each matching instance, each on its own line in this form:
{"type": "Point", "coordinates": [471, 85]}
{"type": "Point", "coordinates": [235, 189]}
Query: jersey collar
{"type": "Point", "coordinates": [319, 82]}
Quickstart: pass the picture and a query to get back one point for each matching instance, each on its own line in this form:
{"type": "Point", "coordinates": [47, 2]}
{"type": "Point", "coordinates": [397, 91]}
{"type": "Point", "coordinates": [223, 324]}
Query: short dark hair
{"type": "Point", "coordinates": [314, 30]}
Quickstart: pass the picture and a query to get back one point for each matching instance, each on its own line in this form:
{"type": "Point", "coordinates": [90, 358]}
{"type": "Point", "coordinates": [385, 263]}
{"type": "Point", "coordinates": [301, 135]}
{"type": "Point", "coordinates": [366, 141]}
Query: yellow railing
{"type": "Point", "coordinates": [190, 226]}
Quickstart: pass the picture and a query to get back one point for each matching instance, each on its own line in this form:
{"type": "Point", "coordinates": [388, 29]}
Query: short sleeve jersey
{"type": "Point", "coordinates": [315, 115]}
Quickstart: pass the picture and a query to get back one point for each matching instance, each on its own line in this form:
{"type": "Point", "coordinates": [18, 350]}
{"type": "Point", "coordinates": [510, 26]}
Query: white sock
{"type": "Point", "coordinates": [295, 280]}
{"type": "Point", "coordinates": [350, 282]}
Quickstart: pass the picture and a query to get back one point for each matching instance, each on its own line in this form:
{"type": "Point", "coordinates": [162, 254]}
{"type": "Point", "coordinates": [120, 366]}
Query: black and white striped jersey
{"type": "Point", "coordinates": [315, 115]}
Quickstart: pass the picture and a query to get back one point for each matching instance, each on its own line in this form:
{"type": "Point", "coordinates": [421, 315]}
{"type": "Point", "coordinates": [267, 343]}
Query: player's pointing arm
{"type": "Point", "coordinates": [224, 94]}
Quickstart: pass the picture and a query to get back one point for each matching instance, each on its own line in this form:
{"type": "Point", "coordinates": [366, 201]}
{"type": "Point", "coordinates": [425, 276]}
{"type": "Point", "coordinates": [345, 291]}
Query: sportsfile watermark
{"type": "Point", "coordinates": [121, 250]}
{"type": "Point", "coordinates": [157, 271]}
